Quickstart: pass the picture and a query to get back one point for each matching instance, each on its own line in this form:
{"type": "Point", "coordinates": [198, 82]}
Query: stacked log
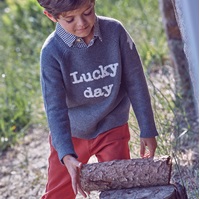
{"type": "Point", "coordinates": [131, 179]}
{"type": "Point", "coordinates": [119, 174]}
{"type": "Point", "coordinates": [157, 192]}
{"type": "Point", "coordinates": [175, 191]}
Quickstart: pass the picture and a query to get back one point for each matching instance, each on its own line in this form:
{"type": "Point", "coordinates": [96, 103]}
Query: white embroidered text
{"type": "Point", "coordinates": [98, 92]}
{"type": "Point", "coordinates": [101, 72]}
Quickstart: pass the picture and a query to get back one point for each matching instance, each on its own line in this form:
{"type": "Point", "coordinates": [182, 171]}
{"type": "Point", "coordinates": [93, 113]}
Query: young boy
{"type": "Point", "coordinates": [90, 74]}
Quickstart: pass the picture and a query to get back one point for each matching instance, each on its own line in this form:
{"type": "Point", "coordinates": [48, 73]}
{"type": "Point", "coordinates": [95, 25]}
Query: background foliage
{"type": "Point", "coordinates": [143, 21]}
{"type": "Point", "coordinates": [24, 29]}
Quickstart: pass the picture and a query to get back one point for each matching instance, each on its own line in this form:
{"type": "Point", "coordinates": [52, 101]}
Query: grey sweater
{"type": "Point", "coordinates": [88, 91]}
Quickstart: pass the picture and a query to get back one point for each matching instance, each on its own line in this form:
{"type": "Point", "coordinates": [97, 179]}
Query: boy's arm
{"type": "Point", "coordinates": [54, 96]}
{"type": "Point", "coordinates": [135, 84]}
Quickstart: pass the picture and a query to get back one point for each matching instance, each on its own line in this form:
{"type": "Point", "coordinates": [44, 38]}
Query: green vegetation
{"type": "Point", "coordinates": [143, 21]}
{"type": "Point", "coordinates": [23, 29]}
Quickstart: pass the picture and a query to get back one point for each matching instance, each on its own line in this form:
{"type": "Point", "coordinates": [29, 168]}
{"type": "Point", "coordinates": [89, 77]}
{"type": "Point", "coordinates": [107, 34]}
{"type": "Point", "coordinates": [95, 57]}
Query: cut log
{"type": "Point", "coordinates": [157, 192]}
{"type": "Point", "coordinates": [120, 174]}
{"type": "Point", "coordinates": [168, 192]}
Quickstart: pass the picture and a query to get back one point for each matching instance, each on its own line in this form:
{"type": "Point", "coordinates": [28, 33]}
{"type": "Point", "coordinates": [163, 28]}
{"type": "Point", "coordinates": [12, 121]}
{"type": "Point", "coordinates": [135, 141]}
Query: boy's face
{"type": "Point", "coordinates": [79, 22]}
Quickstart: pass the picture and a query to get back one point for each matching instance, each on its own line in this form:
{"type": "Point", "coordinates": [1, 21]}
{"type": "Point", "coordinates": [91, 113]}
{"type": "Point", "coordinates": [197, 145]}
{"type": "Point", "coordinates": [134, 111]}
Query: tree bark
{"type": "Point", "coordinates": [184, 89]}
{"type": "Point", "coordinates": [187, 15]}
{"type": "Point", "coordinates": [157, 192]}
{"type": "Point", "coordinates": [120, 174]}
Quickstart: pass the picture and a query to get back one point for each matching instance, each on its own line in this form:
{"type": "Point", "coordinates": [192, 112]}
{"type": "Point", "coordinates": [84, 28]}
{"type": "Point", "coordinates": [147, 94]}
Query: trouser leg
{"type": "Point", "coordinates": [59, 180]}
{"type": "Point", "coordinates": [110, 145]}
{"type": "Point", "coordinates": [113, 144]}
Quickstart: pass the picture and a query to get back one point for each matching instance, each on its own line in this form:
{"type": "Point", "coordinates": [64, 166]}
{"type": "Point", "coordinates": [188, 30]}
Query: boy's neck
{"type": "Point", "coordinates": [89, 37]}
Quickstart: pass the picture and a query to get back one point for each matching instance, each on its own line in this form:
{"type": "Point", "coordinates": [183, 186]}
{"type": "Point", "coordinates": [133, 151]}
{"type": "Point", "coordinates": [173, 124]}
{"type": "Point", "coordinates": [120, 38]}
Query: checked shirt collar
{"type": "Point", "coordinates": [74, 41]}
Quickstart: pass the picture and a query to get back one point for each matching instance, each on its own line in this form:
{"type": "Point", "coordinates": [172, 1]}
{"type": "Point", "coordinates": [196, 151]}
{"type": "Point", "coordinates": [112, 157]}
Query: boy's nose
{"type": "Point", "coordinates": [81, 21]}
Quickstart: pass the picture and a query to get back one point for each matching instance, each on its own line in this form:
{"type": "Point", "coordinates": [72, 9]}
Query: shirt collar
{"type": "Point", "coordinates": [69, 38]}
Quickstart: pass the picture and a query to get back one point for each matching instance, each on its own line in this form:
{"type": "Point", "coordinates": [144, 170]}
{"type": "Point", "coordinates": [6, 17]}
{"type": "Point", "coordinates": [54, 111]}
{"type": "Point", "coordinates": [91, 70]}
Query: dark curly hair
{"type": "Point", "coordinates": [57, 7]}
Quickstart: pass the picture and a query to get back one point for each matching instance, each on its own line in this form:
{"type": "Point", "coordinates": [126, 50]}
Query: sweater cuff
{"type": "Point", "coordinates": [149, 134]}
{"type": "Point", "coordinates": [66, 150]}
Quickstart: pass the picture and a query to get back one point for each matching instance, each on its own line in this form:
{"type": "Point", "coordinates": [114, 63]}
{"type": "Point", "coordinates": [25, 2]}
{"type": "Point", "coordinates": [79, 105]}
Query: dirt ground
{"type": "Point", "coordinates": [23, 169]}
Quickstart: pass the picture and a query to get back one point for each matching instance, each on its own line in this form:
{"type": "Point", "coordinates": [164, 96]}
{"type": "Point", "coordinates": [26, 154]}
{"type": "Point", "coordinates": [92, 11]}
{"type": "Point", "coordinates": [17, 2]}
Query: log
{"type": "Point", "coordinates": [157, 192]}
{"type": "Point", "coordinates": [175, 191]}
{"type": "Point", "coordinates": [120, 174]}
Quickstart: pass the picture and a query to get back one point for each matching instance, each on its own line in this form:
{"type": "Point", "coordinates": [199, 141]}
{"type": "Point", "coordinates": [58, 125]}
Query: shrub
{"type": "Point", "coordinates": [23, 29]}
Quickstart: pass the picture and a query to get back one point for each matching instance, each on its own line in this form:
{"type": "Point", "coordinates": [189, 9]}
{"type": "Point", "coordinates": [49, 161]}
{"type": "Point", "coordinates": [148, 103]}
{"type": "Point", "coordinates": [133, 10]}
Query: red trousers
{"type": "Point", "coordinates": [111, 145]}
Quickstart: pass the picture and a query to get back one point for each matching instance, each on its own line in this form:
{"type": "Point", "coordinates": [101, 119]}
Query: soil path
{"type": "Point", "coordinates": [23, 169]}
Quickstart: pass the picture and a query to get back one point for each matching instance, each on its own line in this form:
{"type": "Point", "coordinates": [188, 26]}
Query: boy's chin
{"type": "Point", "coordinates": [84, 33]}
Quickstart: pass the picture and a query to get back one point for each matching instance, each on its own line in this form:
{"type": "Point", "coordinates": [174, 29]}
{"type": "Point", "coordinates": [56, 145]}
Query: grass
{"type": "Point", "coordinates": [20, 101]}
{"type": "Point", "coordinates": [143, 21]}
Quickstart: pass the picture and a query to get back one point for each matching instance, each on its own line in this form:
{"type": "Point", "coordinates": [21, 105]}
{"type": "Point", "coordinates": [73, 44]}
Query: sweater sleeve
{"type": "Point", "coordinates": [136, 86]}
{"type": "Point", "coordinates": [54, 96]}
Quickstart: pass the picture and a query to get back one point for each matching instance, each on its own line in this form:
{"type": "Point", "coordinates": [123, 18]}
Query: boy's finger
{"type": "Point", "coordinates": [79, 165]}
{"type": "Point", "coordinates": [74, 172]}
{"type": "Point", "coordinates": [147, 155]}
{"type": "Point", "coordinates": [82, 192]}
{"type": "Point", "coordinates": [76, 180]}
{"type": "Point", "coordinates": [151, 153]}
{"type": "Point", "coordinates": [74, 186]}
{"type": "Point", "coordinates": [142, 149]}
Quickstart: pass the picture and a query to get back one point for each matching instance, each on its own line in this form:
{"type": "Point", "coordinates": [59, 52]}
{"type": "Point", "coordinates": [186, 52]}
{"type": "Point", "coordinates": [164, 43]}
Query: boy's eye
{"type": "Point", "coordinates": [69, 20]}
{"type": "Point", "coordinates": [88, 13]}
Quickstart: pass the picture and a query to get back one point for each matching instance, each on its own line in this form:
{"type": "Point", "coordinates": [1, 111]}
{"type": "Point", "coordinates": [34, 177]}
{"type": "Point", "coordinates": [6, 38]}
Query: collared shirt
{"type": "Point", "coordinates": [74, 41]}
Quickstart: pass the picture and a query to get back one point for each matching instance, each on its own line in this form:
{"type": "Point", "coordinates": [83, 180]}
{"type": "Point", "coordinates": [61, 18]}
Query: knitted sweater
{"type": "Point", "coordinates": [88, 91]}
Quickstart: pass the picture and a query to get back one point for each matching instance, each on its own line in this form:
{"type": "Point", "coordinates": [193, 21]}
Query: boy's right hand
{"type": "Point", "coordinates": [73, 167]}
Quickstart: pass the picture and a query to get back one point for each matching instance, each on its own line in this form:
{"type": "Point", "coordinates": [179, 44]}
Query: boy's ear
{"type": "Point", "coordinates": [50, 16]}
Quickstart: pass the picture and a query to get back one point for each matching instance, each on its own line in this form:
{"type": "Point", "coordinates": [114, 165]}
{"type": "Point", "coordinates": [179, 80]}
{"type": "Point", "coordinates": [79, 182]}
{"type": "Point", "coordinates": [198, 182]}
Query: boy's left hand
{"type": "Point", "coordinates": [149, 143]}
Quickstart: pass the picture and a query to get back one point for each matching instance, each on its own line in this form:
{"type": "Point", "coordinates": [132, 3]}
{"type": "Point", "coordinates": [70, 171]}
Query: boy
{"type": "Point", "coordinates": [90, 74]}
